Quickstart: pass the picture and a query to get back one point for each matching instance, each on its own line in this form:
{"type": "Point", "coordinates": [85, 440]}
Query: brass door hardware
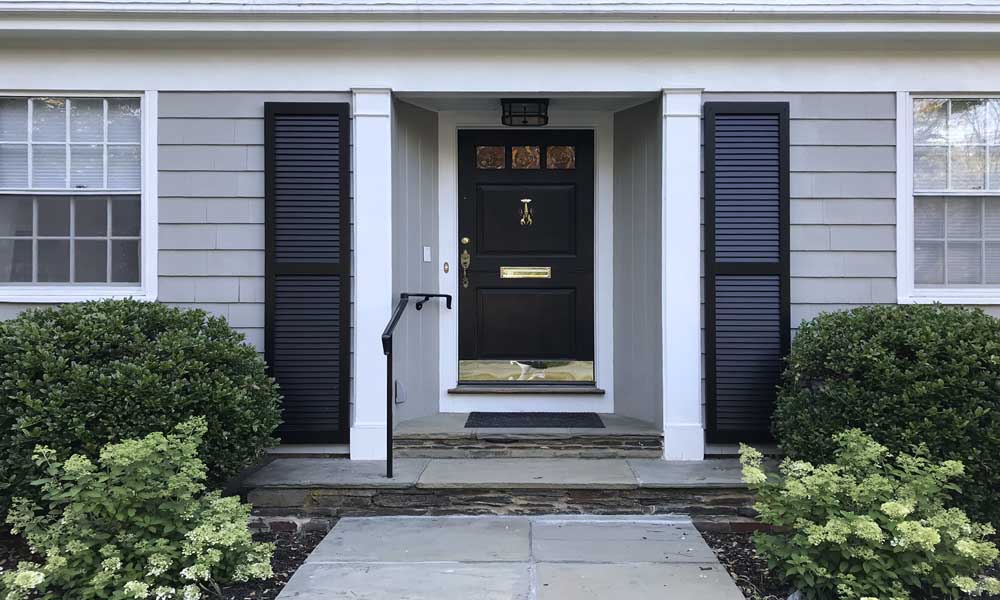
{"type": "Point", "coordinates": [525, 272]}
{"type": "Point", "coordinates": [447, 267]}
{"type": "Point", "coordinates": [465, 260]}
{"type": "Point", "coordinates": [525, 212]}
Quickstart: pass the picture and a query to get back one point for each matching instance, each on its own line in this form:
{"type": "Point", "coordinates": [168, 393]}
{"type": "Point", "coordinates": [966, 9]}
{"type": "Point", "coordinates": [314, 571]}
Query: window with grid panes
{"type": "Point", "coordinates": [956, 189]}
{"type": "Point", "coordinates": [70, 191]}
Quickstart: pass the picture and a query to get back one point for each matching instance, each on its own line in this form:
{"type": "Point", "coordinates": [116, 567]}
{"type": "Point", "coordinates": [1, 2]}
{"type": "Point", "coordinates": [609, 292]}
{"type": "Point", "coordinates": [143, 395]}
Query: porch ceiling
{"type": "Point", "coordinates": [599, 102]}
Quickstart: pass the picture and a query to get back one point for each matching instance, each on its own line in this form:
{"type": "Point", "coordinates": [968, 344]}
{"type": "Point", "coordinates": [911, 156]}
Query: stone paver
{"type": "Point", "coordinates": [618, 542]}
{"type": "Point", "coordinates": [456, 539]}
{"type": "Point", "coordinates": [715, 473]}
{"type": "Point", "coordinates": [512, 558]}
{"type": "Point", "coordinates": [569, 581]}
{"type": "Point", "coordinates": [527, 473]}
{"type": "Point", "coordinates": [335, 472]}
{"type": "Point", "coordinates": [402, 581]}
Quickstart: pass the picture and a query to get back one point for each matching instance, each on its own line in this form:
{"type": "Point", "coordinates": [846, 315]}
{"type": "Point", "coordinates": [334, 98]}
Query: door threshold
{"type": "Point", "coordinates": [475, 388]}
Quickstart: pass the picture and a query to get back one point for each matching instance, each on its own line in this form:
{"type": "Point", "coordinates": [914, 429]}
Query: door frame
{"type": "Point", "coordinates": [602, 124]}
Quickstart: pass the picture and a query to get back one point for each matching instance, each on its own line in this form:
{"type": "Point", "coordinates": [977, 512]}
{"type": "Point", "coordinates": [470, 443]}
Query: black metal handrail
{"type": "Point", "coordinates": [397, 313]}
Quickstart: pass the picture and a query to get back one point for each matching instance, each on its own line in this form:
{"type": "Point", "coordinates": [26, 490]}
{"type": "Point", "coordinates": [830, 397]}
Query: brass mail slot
{"type": "Point", "coordinates": [525, 272]}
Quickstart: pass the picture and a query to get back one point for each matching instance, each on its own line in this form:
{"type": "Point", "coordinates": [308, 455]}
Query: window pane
{"type": "Point", "coordinates": [125, 261]}
{"type": "Point", "coordinates": [929, 263]}
{"type": "Point", "coordinates": [526, 157]}
{"type": "Point", "coordinates": [15, 261]}
{"type": "Point", "coordinates": [968, 167]}
{"type": "Point", "coordinates": [928, 216]}
{"type": "Point", "coordinates": [86, 120]}
{"type": "Point", "coordinates": [91, 216]}
{"type": "Point", "coordinates": [992, 262]}
{"type": "Point", "coordinates": [48, 166]}
{"type": "Point", "coordinates": [964, 263]}
{"type": "Point", "coordinates": [53, 216]}
{"type": "Point", "coordinates": [15, 216]}
{"type": "Point", "coordinates": [123, 120]}
{"type": "Point", "coordinates": [13, 120]}
{"type": "Point", "coordinates": [994, 153]}
{"type": "Point", "coordinates": [48, 120]}
{"type": "Point", "coordinates": [86, 167]}
{"type": "Point", "coordinates": [13, 165]}
{"type": "Point", "coordinates": [930, 121]}
{"type": "Point", "coordinates": [91, 261]}
{"type": "Point", "coordinates": [964, 218]}
{"type": "Point", "coordinates": [968, 121]}
{"type": "Point", "coordinates": [930, 168]}
{"type": "Point", "coordinates": [991, 227]}
{"type": "Point", "coordinates": [123, 167]}
{"type": "Point", "coordinates": [125, 216]}
{"type": "Point", "coordinates": [53, 260]}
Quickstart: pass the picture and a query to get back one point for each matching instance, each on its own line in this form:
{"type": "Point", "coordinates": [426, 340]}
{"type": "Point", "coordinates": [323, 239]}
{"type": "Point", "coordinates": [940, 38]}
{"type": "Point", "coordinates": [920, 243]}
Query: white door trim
{"type": "Point", "coordinates": [449, 122]}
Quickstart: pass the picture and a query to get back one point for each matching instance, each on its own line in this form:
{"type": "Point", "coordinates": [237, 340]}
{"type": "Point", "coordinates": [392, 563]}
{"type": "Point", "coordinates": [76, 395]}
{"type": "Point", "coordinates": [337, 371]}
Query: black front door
{"type": "Point", "coordinates": [526, 248]}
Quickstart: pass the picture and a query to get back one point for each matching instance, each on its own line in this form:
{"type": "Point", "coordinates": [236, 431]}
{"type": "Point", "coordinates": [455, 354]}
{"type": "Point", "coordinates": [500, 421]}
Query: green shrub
{"type": "Point", "coordinates": [906, 375]}
{"type": "Point", "coordinates": [135, 525]}
{"type": "Point", "coordinates": [869, 526]}
{"type": "Point", "coordinates": [77, 377]}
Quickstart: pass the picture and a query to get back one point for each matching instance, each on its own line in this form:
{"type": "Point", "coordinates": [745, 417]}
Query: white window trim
{"type": "Point", "coordinates": [906, 290]}
{"type": "Point", "coordinates": [147, 290]}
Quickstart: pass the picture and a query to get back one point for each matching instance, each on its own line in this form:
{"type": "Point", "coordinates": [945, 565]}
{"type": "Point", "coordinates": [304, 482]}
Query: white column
{"type": "Point", "coordinates": [372, 240]}
{"type": "Point", "coordinates": [683, 429]}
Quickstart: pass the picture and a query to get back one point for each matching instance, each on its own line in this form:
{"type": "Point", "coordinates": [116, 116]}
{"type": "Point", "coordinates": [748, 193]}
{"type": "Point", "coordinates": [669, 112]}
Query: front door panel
{"type": "Point", "coordinates": [526, 273]}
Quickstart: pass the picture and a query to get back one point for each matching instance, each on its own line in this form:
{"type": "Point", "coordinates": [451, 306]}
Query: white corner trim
{"type": "Point", "coordinates": [683, 430]}
{"type": "Point", "coordinates": [601, 122]}
{"type": "Point", "coordinates": [149, 199]}
{"type": "Point", "coordinates": [368, 441]}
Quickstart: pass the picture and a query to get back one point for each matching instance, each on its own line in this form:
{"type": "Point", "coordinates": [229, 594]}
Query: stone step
{"type": "Point", "coordinates": [299, 491]}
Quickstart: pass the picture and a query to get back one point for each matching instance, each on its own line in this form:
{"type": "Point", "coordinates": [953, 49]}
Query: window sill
{"type": "Point", "coordinates": [57, 295]}
{"type": "Point", "coordinates": [952, 296]}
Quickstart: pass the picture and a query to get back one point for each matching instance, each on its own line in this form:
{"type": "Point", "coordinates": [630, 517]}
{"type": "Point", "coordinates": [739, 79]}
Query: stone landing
{"type": "Point", "coordinates": [445, 436]}
{"type": "Point", "coordinates": [297, 491]}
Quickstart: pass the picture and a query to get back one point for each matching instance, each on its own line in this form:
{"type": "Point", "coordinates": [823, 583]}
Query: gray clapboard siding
{"type": "Point", "coordinates": [211, 188]}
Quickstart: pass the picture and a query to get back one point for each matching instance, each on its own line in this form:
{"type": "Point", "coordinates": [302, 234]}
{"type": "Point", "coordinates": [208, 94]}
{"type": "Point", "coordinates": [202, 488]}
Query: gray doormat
{"type": "Point", "coordinates": [493, 420]}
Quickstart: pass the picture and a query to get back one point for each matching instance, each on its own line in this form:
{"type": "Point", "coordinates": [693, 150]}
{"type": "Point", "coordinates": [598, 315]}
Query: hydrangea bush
{"type": "Point", "coordinates": [137, 524]}
{"type": "Point", "coordinates": [869, 526]}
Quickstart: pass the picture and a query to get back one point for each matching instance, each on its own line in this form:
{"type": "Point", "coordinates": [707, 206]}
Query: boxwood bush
{"type": "Point", "coordinates": [906, 375]}
{"type": "Point", "coordinates": [75, 378]}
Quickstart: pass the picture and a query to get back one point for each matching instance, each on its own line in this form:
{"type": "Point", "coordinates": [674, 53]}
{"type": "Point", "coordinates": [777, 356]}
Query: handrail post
{"type": "Point", "coordinates": [404, 298]}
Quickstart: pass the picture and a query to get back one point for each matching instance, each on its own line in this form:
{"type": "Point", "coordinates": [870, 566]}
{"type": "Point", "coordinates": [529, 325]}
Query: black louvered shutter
{"type": "Point", "coordinates": [746, 265]}
{"type": "Point", "coordinates": [307, 173]}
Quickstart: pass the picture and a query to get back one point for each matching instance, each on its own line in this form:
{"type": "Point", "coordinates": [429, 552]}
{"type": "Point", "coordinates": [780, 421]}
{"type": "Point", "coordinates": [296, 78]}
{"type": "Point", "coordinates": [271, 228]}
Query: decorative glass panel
{"type": "Point", "coordinates": [491, 157]}
{"type": "Point", "coordinates": [560, 157]}
{"type": "Point", "coordinates": [526, 157]}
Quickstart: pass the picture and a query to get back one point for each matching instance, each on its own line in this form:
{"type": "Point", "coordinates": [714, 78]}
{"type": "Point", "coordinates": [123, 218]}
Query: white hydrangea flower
{"type": "Point", "coordinates": [136, 589]}
{"type": "Point", "coordinates": [28, 579]}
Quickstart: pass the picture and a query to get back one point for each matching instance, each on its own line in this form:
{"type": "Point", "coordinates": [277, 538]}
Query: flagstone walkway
{"type": "Point", "coordinates": [512, 558]}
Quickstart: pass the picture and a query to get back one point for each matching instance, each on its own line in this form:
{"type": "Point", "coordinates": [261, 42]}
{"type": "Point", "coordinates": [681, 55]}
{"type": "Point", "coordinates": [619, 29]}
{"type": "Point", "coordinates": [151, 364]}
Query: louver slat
{"type": "Point", "coordinates": [746, 266]}
{"type": "Point", "coordinates": [308, 257]}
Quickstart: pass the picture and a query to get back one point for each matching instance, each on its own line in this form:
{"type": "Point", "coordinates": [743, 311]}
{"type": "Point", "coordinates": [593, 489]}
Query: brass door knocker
{"type": "Point", "coordinates": [465, 259]}
{"type": "Point", "coordinates": [525, 212]}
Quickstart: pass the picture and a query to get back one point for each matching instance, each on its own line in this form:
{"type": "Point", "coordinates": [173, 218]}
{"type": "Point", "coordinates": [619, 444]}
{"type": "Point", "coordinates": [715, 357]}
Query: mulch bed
{"type": "Point", "coordinates": [737, 553]}
{"type": "Point", "coordinates": [290, 552]}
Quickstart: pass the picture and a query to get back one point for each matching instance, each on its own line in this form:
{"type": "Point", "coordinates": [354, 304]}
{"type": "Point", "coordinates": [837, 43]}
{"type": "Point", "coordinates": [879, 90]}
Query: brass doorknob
{"type": "Point", "coordinates": [465, 241]}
